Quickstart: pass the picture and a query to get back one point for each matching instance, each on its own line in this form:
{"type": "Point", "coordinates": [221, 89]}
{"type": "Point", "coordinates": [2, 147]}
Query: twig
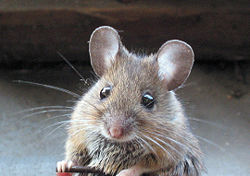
{"type": "Point", "coordinates": [84, 169]}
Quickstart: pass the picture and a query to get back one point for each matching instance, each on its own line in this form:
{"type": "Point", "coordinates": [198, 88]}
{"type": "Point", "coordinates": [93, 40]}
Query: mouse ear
{"type": "Point", "coordinates": [175, 59]}
{"type": "Point", "coordinates": [104, 45]}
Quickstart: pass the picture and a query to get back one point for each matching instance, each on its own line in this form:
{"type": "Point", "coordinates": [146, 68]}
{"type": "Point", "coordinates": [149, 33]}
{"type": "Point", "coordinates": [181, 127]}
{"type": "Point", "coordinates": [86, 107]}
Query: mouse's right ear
{"type": "Point", "coordinates": [104, 45]}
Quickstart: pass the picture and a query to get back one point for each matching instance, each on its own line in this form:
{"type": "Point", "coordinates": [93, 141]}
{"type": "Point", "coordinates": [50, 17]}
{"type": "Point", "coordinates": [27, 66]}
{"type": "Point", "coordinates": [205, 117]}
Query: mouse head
{"type": "Point", "coordinates": [134, 93]}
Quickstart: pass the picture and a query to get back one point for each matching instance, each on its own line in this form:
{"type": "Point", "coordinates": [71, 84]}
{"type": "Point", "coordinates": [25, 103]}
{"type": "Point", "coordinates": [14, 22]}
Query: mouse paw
{"type": "Point", "coordinates": [129, 172]}
{"type": "Point", "coordinates": [64, 165]}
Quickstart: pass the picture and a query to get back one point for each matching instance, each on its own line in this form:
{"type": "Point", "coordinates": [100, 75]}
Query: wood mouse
{"type": "Point", "coordinates": [130, 122]}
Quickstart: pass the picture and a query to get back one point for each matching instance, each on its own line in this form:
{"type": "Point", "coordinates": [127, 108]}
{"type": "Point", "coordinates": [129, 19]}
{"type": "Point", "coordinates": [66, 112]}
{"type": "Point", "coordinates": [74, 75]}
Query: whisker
{"type": "Point", "coordinates": [49, 86]}
{"type": "Point", "coordinates": [96, 108]}
{"type": "Point", "coordinates": [210, 142]}
{"type": "Point", "coordinates": [82, 124]}
{"type": "Point", "coordinates": [55, 124]}
{"type": "Point", "coordinates": [39, 108]}
{"type": "Point", "coordinates": [203, 121]}
{"type": "Point", "coordinates": [188, 142]}
{"type": "Point", "coordinates": [54, 117]}
{"type": "Point", "coordinates": [92, 129]}
{"type": "Point", "coordinates": [54, 130]}
{"type": "Point", "coordinates": [159, 145]}
{"type": "Point", "coordinates": [68, 122]}
{"type": "Point", "coordinates": [45, 111]}
{"type": "Point", "coordinates": [76, 71]}
{"type": "Point", "coordinates": [72, 101]}
{"type": "Point", "coordinates": [61, 124]}
{"type": "Point", "coordinates": [167, 144]}
{"type": "Point", "coordinates": [83, 129]}
{"type": "Point", "coordinates": [193, 147]}
{"type": "Point", "coordinates": [138, 140]}
{"type": "Point", "coordinates": [207, 122]}
{"type": "Point", "coordinates": [87, 115]}
{"type": "Point", "coordinates": [148, 145]}
{"type": "Point", "coordinates": [177, 142]}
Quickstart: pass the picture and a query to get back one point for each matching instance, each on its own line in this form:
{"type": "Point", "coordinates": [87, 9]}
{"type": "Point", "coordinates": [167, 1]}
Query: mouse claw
{"type": "Point", "coordinates": [64, 165]}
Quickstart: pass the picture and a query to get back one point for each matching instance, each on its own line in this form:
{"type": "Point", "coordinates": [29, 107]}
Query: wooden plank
{"type": "Point", "coordinates": [35, 31]}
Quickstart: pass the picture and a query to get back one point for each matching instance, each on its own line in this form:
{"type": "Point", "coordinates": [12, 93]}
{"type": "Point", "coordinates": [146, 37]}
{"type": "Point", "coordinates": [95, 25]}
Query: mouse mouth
{"type": "Point", "coordinates": [126, 138]}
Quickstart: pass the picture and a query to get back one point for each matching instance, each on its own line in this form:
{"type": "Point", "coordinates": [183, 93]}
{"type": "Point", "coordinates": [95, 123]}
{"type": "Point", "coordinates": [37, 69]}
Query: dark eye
{"type": "Point", "coordinates": [147, 101]}
{"type": "Point", "coordinates": [105, 92]}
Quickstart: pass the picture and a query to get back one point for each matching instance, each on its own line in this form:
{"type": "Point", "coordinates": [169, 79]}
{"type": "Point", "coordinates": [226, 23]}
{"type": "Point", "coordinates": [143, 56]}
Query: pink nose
{"type": "Point", "coordinates": [116, 132]}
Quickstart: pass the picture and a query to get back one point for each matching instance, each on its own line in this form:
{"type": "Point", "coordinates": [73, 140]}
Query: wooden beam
{"type": "Point", "coordinates": [36, 31]}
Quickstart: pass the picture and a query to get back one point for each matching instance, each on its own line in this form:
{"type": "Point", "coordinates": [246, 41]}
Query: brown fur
{"type": "Point", "coordinates": [175, 151]}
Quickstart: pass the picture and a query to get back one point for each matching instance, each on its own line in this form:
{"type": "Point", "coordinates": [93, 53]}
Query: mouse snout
{"type": "Point", "coordinates": [116, 128]}
{"type": "Point", "coordinates": [116, 132]}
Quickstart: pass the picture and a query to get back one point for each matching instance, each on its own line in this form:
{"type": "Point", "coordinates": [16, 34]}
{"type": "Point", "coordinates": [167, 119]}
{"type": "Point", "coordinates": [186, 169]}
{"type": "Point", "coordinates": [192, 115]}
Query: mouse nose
{"type": "Point", "coordinates": [116, 132]}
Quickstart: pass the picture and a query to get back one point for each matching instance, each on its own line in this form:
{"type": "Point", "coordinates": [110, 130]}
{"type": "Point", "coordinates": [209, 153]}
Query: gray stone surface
{"type": "Point", "coordinates": [30, 145]}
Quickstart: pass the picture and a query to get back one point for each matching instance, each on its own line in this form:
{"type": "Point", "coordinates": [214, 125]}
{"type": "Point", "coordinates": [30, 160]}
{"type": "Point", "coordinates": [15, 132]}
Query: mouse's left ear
{"type": "Point", "coordinates": [104, 45]}
{"type": "Point", "coordinates": [175, 59]}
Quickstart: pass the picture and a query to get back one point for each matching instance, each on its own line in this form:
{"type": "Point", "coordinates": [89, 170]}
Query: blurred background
{"type": "Point", "coordinates": [33, 35]}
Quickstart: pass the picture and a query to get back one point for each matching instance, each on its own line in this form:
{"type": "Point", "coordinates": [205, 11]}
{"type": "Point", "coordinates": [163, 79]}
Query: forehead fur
{"type": "Point", "coordinates": [133, 72]}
